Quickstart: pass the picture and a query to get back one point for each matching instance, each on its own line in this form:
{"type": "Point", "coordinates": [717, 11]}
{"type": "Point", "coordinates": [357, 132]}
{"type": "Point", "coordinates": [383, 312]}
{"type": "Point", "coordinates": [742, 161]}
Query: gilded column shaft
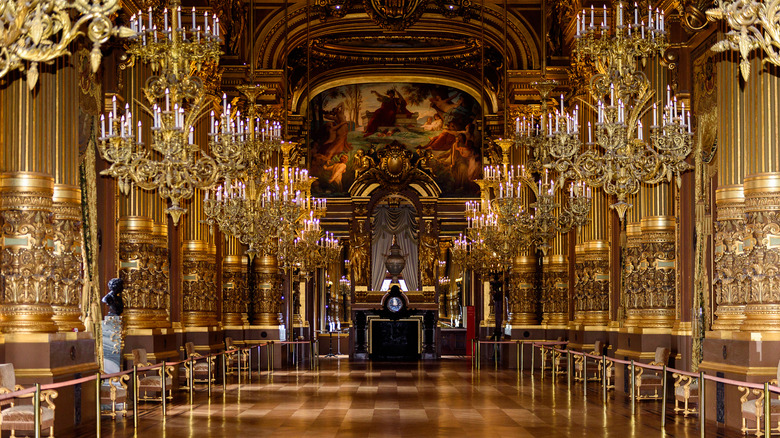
{"type": "Point", "coordinates": [143, 267]}
{"type": "Point", "coordinates": [28, 247]}
{"type": "Point", "coordinates": [555, 290]}
{"type": "Point", "coordinates": [632, 294]}
{"type": "Point", "coordinates": [235, 298]}
{"type": "Point", "coordinates": [762, 252]}
{"type": "Point", "coordinates": [199, 269]}
{"type": "Point", "coordinates": [267, 300]}
{"type": "Point", "coordinates": [522, 293]}
{"type": "Point", "coordinates": [591, 299]}
{"type": "Point", "coordinates": [730, 282]}
{"type": "Point", "coordinates": [655, 287]}
{"type": "Point", "coordinates": [67, 263]}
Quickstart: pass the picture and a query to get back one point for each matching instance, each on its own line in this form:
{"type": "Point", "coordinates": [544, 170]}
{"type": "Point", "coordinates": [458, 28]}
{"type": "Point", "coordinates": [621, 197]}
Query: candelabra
{"type": "Point", "coordinates": [754, 25]}
{"type": "Point", "coordinates": [42, 30]}
{"type": "Point", "coordinates": [177, 99]}
{"type": "Point", "coordinates": [621, 159]}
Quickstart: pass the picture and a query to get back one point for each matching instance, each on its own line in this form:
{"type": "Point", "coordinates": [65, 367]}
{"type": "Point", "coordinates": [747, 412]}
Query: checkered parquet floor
{"type": "Point", "coordinates": [445, 398]}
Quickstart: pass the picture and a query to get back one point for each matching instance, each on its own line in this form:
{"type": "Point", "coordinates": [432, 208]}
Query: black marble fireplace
{"type": "Point", "coordinates": [395, 340]}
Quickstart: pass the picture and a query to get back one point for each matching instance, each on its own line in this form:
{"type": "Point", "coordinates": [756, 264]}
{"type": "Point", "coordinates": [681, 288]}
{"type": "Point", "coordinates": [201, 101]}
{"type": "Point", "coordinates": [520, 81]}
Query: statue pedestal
{"type": "Point", "coordinates": [112, 344]}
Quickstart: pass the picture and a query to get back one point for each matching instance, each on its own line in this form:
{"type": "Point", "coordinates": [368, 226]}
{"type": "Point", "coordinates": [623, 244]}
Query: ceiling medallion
{"type": "Point", "coordinates": [394, 14]}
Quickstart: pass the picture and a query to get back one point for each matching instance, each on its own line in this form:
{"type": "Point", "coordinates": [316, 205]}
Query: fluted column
{"type": "Point", "coordinates": [555, 286]}
{"type": "Point", "coordinates": [762, 199]}
{"type": "Point", "coordinates": [234, 287]}
{"type": "Point", "coordinates": [41, 266]}
{"type": "Point", "coordinates": [267, 297]}
{"type": "Point", "coordinates": [591, 288]}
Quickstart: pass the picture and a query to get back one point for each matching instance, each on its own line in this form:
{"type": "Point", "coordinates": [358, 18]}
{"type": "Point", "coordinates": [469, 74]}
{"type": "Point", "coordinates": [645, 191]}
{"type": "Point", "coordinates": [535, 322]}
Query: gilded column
{"type": "Point", "coordinates": [731, 284]}
{"type": "Point", "coordinates": [555, 286]}
{"type": "Point", "coordinates": [199, 300]}
{"type": "Point", "coordinates": [762, 199]}
{"type": "Point", "coordinates": [234, 288]}
{"type": "Point", "coordinates": [39, 148]}
{"type": "Point", "coordinates": [658, 272]}
{"type": "Point", "coordinates": [591, 288]}
{"type": "Point", "coordinates": [522, 293]}
{"type": "Point", "coordinates": [267, 298]}
{"type": "Point", "coordinates": [632, 298]}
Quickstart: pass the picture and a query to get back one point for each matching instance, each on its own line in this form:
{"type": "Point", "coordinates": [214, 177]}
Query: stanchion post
{"type": "Point", "coordinates": [568, 369]}
{"type": "Point", "coordinates": [522, 359]}
{"type": "Point", "coordinates": [258, 362]}
{"type": "Point", "coordinates": [663, 398]}
{"type": "Point", "coordinates": [238, 358]}
{"type": "Point", "coordinates": [702, 404]}
{"type": "Point", "coordinates": [271, 354]}
{"type": "Point", "coordinates": [191, 380]}
{"type": "Point", "coordinates": [224, 374]}
{"type": "Point", "coordinates": [249, 365]}
{"type": "Point", "coordinates": [604, 377]}
{"type": "Point", "coordinates": [162, 395]}
{"type": "Point", "coordinates": [519, 371]}
{"type": "Point", "coordinates": [135, 396]}
{"type": "Point", "coordinates": [633, 388]}
{"type": "Point", "coordinates": [533, 356]}
{"type": "Point", "coordinates": [37, 409]}
{"type": "Point", "coordinates": [767, 413]}
{"type": "Point", "coordinates": [208, 362]}
{"type": "Point", "coordinates": [97, 403]}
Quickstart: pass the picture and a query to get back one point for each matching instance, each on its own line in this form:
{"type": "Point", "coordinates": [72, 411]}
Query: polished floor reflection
{"type": "Point", "coordinates": [444, 398]}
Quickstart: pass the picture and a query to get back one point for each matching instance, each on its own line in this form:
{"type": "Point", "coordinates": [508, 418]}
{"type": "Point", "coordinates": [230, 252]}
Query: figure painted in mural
{"type": "Point", "coordinates": [362, 162]}
{"type": "Point", "coordinates": [337, 171]}
{"type": "Point", "coordinates": [429, 246]}
{"type": "Point", "coordinates": [113, 298]}
{"type": "Point", "coordinates": [338, 128]}
{"type": "Point", "coordinates": [359, 255]}
{"type": "Point", "coordinates": [393, 104]}
{"type": "Point", "coordinates": [442, 144]}
{"type": "Point", "coordinates": [434, 123]}
{"type": "Point", "coordinates": [465, 167]}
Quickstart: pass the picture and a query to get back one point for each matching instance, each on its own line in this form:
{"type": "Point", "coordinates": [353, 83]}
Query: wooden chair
{"type": "Point", "coordinates": [649, 382]}
{"type": "Point", "coordinates": [152, 383]}
{"type": "Point", "coordinates": [199, 369]}
{"type": "Point", "coordinates": [552, 359]}
{"type": "Point", "coordinates": [114, 392]}
{"type": "Point", "coordinates": [753, 409]}
{"type": "Point", "coordinates": [686, 391]}
{"type": "Point", "coordinates": [22, 417]}
{"type": "Point", "coordinates": [236, 362]}
{"type": "Point", "coordinates": [593, 368]}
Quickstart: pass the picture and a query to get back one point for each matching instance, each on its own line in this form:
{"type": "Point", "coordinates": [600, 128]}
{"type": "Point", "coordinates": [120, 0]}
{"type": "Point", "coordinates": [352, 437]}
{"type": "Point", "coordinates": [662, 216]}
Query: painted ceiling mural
{"type": "Point", "coordinates": [435, 123]}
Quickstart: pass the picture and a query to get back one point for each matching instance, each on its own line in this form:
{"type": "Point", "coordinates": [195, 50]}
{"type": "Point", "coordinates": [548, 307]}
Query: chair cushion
{"type": "Point", "coordinates": [749, 407]}
{"type": "Point", "coordinates": [22, 417]}
{"type": "Point", "coordinates": [694, 390]}
{"type": "Point", "coordinates": [105, 393]}
{"type": "Point", "coordinates": [7, 376]}
{"type": "Point", "coordinates": [155, 381]}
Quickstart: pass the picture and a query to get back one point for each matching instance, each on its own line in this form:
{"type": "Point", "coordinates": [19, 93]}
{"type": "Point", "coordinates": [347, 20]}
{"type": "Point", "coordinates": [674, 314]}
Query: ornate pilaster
{"type": "Point", "coordinates": [731, 283]}
{"type": "Point", "coordinates": [521, 293]}
{"type": "Point", "coordinates": [762, 252]}
{"type": "Point", "coordinates": [143, 267]}
{"type": "Point", "coordinates": [67, 271]}
{"type": "Point", "coordinates": [25, 215]}
{"type": "Point", "coordinates": [234, 288]}
{"type": "Point", "coordinates": [267, 297]}
{"type": "Point", "coordinates": [199, 307]}
{"type": "Point", "coordinates": [555, 290]}
{"type": "Point", "coordinates": [591, 289]}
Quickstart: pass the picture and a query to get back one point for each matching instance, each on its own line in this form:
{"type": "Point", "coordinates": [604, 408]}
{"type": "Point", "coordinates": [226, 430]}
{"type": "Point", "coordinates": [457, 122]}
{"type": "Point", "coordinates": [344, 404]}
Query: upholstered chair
{"type": "Point", "coordinates": [233, 360]}
{"type": "Point", "coordinates": [200, 369]}
{"type": "Point", "coordinates": [151, 381]}
{"type": "Point", "coordinates": [753, 408]}
{"type": "Point", "coordinates": [686, 393]}
{"type": "Point", "coordinates": [113, 392]}
{"type": "Point", "coordinates": [15, 417]}
{"type": "Point", "coordinates": [649, 382]}
{"type": "Point", "coordinates": [593, 367]}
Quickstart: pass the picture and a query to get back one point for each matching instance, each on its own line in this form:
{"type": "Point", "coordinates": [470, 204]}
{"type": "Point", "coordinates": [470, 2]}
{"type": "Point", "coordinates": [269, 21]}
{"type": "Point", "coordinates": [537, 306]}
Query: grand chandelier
{"type": "Point", "coordinates": [312, 248]}
{"type": "Point", "coordinates": [620, 159]}
{"type": "Point", "coordinates": [33, 31]}
{"type": "Point", "coordinates": [518, 209]}
{"type": "Point", "coordinates": [754, 25]}
{"type": "Point", "coordinates": [173, 165]}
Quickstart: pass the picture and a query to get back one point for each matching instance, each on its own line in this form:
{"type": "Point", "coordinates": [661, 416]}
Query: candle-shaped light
{"type": "Point", "coordinates": [165, 18]}
{"type": "Point", "coordinates": [655, 115]}
{"type": "Point", "coordinates": [193, 18]}
{"type": "Point", "coordinates": [139, 131]}
{"type": "Point", "coordinates": [590, 139]}
{"type": "Point", "coordinates": [604, 22]}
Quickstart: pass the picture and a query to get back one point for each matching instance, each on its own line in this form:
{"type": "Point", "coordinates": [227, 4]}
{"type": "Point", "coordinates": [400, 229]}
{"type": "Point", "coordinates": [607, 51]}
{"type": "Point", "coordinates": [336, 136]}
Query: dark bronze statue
{"type": "Point", "coordinates": [113, 298]}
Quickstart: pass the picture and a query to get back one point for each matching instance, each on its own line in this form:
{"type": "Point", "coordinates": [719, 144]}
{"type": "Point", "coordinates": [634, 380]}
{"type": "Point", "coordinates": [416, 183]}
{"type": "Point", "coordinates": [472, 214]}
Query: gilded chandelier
{"type": "Point", "coordinates": [620, 159]}
{"type": "Point", "coordinates": [33, 31]}
{"type": "Point", "coordinates": [754, 25]}
{"type": "Point", "coordinates": [173, 165]}
{"type": "Point", "coordinates": [518, 209]}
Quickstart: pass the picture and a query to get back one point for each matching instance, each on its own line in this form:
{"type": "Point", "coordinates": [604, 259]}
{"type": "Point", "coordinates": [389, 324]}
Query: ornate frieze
{"type": "Point", "coordinates": [234, 290]}
{"type": "Point", "coordinates": [67, 271]}
{"type": "Point", "coordinates": [591, 283]}
{"type": "Point", "coordinates": [555, 290]}
{"type": "Point", "coordinates": [730, 280]}
{"type": "Point", "coordinates": [521, 294]}
{"type": "Point", "coordinates": [651, 283]}
{"type": "Point", "coordinates": [267, 299]}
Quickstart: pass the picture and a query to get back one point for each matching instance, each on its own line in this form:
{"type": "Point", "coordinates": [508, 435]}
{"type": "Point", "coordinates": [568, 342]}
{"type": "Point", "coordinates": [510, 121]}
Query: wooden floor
{"type": "Point", "coordinates": [444, 398]}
